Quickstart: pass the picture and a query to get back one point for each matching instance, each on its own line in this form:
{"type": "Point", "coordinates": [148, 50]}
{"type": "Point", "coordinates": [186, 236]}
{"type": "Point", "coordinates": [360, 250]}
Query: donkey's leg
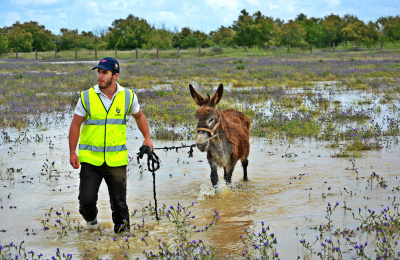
{"type": "Point", "coordinates": [228, 174]}
{"type": "Point", "coordinates": [214, 174]}
{"type": "Point", "coordinates": [244, 164]}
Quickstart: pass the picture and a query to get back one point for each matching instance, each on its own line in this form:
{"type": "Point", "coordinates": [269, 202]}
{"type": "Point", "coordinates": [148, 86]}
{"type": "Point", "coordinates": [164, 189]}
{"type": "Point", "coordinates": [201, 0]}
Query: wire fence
{"type": "Point", "coordinates": [136, 54]}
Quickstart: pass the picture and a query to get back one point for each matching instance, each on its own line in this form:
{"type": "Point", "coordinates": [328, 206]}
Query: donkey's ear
{"type": "Point", "coordinates": [198, 99]}
{"type": "Point", "coordinates": [217, 95]}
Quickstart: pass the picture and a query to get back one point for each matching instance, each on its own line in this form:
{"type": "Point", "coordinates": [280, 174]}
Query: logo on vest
{"type": "Point", "coordinates": [118, 110]}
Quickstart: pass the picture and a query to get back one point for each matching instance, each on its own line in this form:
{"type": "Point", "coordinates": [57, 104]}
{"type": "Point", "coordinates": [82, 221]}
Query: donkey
{"type": "Point", "coordinates": [223, 134]}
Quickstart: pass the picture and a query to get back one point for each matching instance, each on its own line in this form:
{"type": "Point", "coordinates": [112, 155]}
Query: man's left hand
{"type": "Point", "coordinates": [148, 143]}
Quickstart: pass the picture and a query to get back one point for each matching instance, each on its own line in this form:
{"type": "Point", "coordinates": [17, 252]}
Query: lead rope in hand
{"type": "Point", "coordinates": [153, 164]}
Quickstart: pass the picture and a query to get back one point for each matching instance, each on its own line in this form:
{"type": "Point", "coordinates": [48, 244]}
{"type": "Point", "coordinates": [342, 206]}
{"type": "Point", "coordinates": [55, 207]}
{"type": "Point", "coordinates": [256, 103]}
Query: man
{"type": "Point", "coordinates": [102, 148]}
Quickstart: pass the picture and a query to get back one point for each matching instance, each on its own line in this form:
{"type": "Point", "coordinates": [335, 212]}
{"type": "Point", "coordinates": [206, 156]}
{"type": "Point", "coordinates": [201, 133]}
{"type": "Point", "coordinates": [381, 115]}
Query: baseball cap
{"type": "Point", "coordinates": [108, 63]}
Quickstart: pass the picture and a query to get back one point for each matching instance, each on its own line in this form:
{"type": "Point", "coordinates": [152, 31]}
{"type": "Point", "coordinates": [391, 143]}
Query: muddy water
{"type": "Point", "coordinates": [289, 194]}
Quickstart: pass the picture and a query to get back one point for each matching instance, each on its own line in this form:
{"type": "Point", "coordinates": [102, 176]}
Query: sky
{"type": "Point", "coordinates": [202, 15]}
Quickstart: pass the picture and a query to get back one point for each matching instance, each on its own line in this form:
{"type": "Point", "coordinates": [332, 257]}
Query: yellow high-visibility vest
{"type": "Point", "coordinates": [103, 134]}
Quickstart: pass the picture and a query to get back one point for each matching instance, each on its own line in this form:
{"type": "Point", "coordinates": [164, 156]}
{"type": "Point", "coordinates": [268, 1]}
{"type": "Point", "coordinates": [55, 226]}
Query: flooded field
{"type": "Point", "coordinates": [324, 179]}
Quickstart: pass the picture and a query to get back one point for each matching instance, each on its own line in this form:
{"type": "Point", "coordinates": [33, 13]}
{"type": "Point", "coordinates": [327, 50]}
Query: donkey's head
{"type": "Point", "coordinates": [208, 116]}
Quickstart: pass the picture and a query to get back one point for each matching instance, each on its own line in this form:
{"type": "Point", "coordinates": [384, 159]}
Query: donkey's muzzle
{"type": "Point", "coordinates": [202, 142]}
{"type": "Point", "coordinates": [202, 146]}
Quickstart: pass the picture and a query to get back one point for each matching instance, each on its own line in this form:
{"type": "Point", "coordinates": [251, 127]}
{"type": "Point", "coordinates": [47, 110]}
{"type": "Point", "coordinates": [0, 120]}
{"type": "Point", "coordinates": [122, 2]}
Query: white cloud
{"type": "Point", "coordinates": [166, 16]}
{"type": "Point", "coordinates": [273, 6]}
{"type": "Point", "coordinates": [36, 2]}
{"type": "Point", "coordinates": [11, 18]}
{"type": "Point", "coordinates": [116, 6]}
{"type": "Point", "coordinates": [93, 7]}
{"type": "Point", "coordinates": [232, 5]}
{"type": "Point", "coordinates": [254, 2]}
{"type": "Point", "coordinates": [291, 7]}
{"type": "Point", "coordinates": [333, 3]}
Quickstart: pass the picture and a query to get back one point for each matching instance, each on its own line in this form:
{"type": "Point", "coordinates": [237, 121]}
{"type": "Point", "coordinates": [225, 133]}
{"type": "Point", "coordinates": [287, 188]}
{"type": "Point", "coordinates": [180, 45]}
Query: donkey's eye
{"type": "Point", "coordinates": [211, 120]}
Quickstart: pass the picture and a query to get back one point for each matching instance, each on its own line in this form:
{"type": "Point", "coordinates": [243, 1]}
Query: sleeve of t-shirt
{"type": "Point", "coordinates": [80, 110]}
{"type": "Point", "coordinates": [135, 107]}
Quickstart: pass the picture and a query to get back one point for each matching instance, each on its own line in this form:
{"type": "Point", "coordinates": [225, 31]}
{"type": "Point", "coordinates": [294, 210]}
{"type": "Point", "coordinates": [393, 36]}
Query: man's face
{"type": "Point", "coordinates": [105, 78]}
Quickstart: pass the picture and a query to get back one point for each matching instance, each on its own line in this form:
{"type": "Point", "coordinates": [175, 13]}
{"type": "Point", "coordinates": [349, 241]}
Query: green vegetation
{"type": "Point", "coordinates": [256, 30]}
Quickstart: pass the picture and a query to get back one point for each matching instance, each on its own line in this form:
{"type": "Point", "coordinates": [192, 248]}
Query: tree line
{"type": "Point", "coordinates": [256, 30]}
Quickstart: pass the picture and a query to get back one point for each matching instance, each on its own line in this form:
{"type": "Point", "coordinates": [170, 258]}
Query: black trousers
{"type": "Point", "coordinates": [90, 179]}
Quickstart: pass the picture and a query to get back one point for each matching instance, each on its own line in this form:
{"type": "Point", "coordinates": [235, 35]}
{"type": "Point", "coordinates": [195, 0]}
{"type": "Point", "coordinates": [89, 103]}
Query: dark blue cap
{"type": "Point", "coordinates": [108, 63]}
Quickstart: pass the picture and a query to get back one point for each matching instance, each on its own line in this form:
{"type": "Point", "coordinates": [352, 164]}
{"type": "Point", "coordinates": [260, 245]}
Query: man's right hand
{"type": "Point", "coordinates": [74, 160]}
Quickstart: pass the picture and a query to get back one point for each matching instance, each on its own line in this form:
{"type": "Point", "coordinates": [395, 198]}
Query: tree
{"type": "Point", "coordinates": [301, 17]}
{"type": "Point", "coordinates": [68, 39]}
{"type": "Point", "coordinates": [390, 28]}
{"type": "Point", "coordinates": [42, 39]}
{"type": "Point", "coordinates": [203, 39]}
{"type": "Point", "coordinates": [354, 32]}
{"type": "Point", "coordinates": [129, 33]}
{"type": "Point", "coordinates": [88, 40]}
{"type": "Point", "coordinates": [252, 30]}
{"type": "Point", "coordinates": [332, 26]}
{"type": "Point", "coordinates": [3, 42]}
{"type": "Point", "coordinates": [71, 39]}
{"type": "Point", "coordinates": [159, 38]}
{"type": "Point", "coordinates": [20, 39]}
{"type": "Point", "coordinates": [360, 32]}
{"type": "Point", "coordinates": [290, 33]}
{"type": "Point", "coordinates": [314, 31]}
{"type": "Point", "coordinates": [187, 38]}
{"type": "Point", "coordinates": [372, 34]}
{"type": "Point", "coordinates": [223, 36]}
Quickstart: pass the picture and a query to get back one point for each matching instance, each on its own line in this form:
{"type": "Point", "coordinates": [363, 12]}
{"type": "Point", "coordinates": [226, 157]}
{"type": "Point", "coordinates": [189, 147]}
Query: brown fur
{"type": "Point", "coordinates": [231, 144]}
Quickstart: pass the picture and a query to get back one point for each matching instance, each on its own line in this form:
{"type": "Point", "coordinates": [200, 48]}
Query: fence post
{"type": "Point", "coordinates": [157, 54]}
{"type": "Point", "coordinates": [55, 53]}
{"type": "Point", "coordinates": [16, 53]}
{"type": "Point", "coordinates": [177, 49]}
{"type": "Point", "coordinates": [288, 47]}
{"type": "Point", "coordinates": [137, 54]}
{"type": "Point", "coordinates": [199, 51]}
{"type": "Point", "coordinates": [95, 54]}
{"type": "Point", "coordinates": [357, 46]}
{"type": "Point", "coordinates": [310, 48]}
{"type": "Point", "coordinates": [116, 57]}
{"type": "Point", "coordinates": [220, 50]}
{"type": "Point", "coordinates": [36, 53]}
{"type": "Point", "coordinates": [381, 45]}
{"type": "Point", "coordinates": [333, 47]}
{"type": "Point", "coordinates": [76, 53]}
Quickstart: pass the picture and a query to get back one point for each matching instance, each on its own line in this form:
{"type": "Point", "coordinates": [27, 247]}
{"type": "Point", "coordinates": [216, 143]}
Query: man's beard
{"type": "Point", "coordinates": [108, 84]}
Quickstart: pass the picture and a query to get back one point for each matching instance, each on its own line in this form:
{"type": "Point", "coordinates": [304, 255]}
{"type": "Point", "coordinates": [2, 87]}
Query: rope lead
{"type": "Point", "coordinates": [153, 164]}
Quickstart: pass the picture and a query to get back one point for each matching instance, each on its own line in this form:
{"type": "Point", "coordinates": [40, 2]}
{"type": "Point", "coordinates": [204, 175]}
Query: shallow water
{"type": "Point", "coordinates": [290, 195]}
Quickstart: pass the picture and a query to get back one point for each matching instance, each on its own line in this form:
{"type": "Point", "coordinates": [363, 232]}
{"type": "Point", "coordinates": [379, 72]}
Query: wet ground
{"type": "Point", "coordinates": [290, 185]}
{"type": "Point", "coordinates": [288, 193]}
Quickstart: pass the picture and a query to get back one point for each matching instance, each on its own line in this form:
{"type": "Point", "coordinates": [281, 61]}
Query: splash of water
{"type": "Point", "coordinates": [207, 191]}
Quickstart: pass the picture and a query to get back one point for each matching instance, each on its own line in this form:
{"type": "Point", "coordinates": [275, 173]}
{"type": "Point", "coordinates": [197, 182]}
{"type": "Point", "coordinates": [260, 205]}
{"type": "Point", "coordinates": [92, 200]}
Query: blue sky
{"type": "Point", "coordinates": [203, 15]}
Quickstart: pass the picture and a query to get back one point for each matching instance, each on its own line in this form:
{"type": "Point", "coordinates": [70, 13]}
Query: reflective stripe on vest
{"type": "Point", "coordinates": [103, 134]}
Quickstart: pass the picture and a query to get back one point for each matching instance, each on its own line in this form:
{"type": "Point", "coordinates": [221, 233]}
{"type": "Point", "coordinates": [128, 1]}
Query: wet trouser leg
{"type": "Point", "coordinates": [115, 178]}
{"type": "Point", "coordinates": [90, 180]}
